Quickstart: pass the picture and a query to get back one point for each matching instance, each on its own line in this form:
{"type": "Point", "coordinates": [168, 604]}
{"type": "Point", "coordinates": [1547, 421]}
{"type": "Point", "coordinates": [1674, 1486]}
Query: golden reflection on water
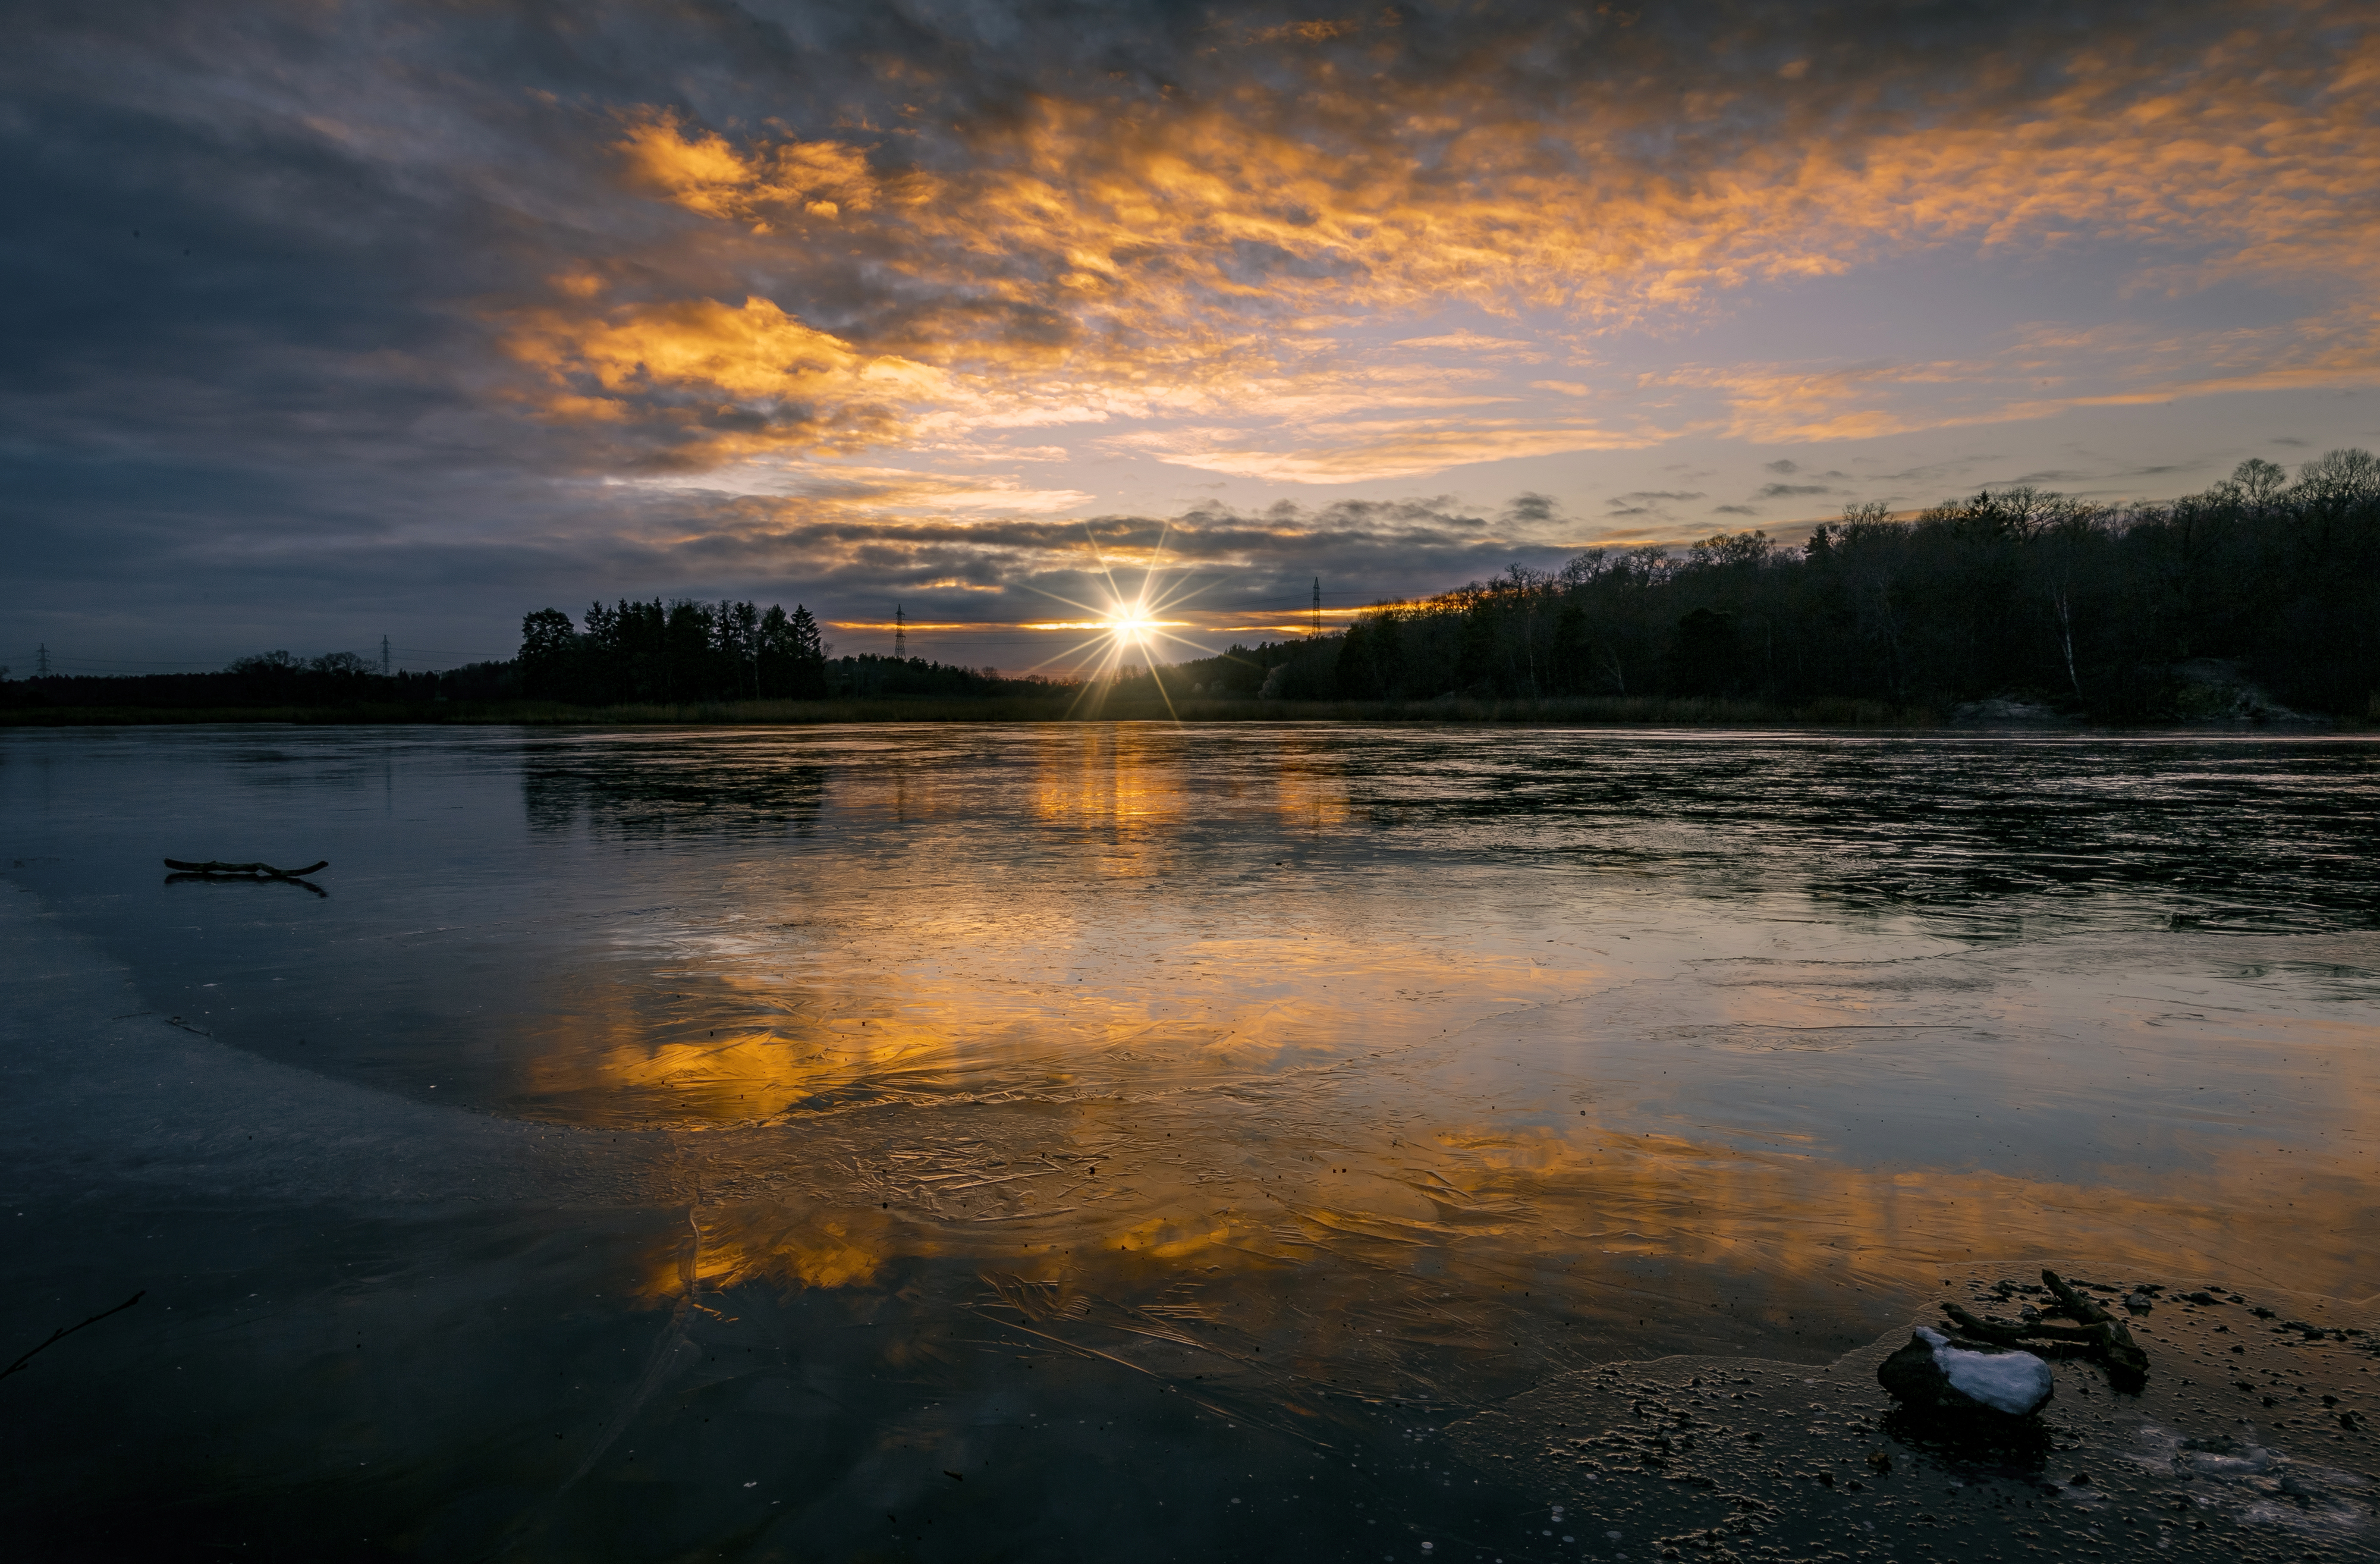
{"type": "Point", "coordinates": [1438, 1269]}
{"type": "Point", "coordinates": [1298, 1228]}
{"type": "Point", "coordinates": [1312, 794]}
{"type": "Point", "coordinates": [1099, 776]}
{"type": "Point", "coordinates": [1113, 778]}
{"type": "Point", "coordinates": [1412, 1142]}
{"type": "Point", "coordinates": [1508, 1206]}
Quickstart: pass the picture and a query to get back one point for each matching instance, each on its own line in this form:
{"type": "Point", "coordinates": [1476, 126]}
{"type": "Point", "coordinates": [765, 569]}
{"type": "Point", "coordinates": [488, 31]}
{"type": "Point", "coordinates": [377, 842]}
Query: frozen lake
{"type": "Point", "coordinates": [1094, 1142]}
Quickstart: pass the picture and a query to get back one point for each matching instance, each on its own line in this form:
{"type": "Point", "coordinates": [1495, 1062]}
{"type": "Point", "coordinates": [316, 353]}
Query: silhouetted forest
{"type": "Point", "coordinates": [342, 680]}
{"type": "Point", "coordinates": [2098, 611]}
{"type": "Point", "coordinates": [680, 653]}
{"type": "Point", "coordinates": [670, 654]}
{"type": "Point", "coordinates": [2114, 613]}
{"type": "Point", "coordinates": [633, 654]}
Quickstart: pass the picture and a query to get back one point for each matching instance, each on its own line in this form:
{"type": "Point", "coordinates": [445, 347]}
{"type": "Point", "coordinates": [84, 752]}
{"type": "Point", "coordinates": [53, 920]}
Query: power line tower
{"type": "Point", "coordinates": [42, 662]}
{"type": "Point", "coordinates": [1317, 608]}
{"type": "Point", "coordinates": [899, 635]}
{"type": "Point", "coordinates": [384, 656]}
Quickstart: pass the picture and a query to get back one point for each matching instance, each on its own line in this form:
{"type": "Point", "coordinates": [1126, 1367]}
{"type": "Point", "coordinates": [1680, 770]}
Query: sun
{"type": "Point", "coordinates": [1128, 628]}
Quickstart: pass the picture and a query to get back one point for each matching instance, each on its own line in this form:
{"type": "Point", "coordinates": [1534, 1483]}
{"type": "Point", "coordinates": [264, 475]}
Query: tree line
{"type": "Point", "coordinates": [339, 681]}
{"type": "Point", "coordinates": [2093, 610]}
{"type": "Point", "coordinates": [672, 653]}
{"type": "Point", "coordinates": [688, 652]}
{"type": "Point", "coordinates": [665, 653]}
{"type": "Point", "coordinates": [2097, 611]}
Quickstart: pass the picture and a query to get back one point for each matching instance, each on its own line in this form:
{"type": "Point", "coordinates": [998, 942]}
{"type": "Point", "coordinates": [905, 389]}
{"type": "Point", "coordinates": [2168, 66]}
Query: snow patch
{"type": "Point", "coordinates": [2011, 1382]}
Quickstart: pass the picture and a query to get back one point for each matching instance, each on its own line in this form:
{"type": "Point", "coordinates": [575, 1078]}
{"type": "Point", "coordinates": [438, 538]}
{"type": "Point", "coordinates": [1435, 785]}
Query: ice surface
{"type": "Point", "coordinates": [636, 1102]}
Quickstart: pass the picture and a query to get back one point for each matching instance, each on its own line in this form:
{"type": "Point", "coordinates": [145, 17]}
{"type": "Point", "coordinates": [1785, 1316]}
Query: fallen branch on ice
{"type": "Point", "coordinates": [264, 870]}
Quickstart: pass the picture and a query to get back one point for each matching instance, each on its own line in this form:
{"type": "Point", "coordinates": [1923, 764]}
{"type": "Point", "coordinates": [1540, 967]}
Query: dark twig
{"type": "Point", "coordinates": [64, 1331]}
{"type": "Point", "coordinates": [267, 870]}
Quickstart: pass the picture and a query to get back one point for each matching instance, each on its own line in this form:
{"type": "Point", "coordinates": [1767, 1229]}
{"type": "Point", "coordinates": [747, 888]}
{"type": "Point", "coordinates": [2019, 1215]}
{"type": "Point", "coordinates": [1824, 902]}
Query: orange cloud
{"type": "Point", "coordinates": [642, 360]}
{"type": "Point", "coordinates": [1242, 259]}
{"type": "Point", "coordinates": [1406, 448]}
{"type": "Point", "coordinates": [703, 173]}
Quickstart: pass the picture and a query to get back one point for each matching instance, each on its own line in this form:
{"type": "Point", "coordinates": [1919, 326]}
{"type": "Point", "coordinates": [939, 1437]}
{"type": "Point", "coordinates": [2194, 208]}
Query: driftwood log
{"type": "Point", "coordinates": [2096, 1334]}
{"type": "Point", "coordinates": [261, 871]}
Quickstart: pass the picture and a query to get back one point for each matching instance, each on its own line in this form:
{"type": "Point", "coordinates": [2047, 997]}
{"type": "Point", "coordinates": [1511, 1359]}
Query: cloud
{"type": "Point", "coordinates": [1790, 491]}
{"type": "Point", "coordinates": [325, 302]}
{"type": "Point", "coordinates": [1474, 342]}
{"type": "Point", "coordinates": [1098, 251]}
{"type": "Point", "coordinates": [696, 382]}
{"type": "Point", "coordinates": [1733, 510]}
{"type": "Point", "coordinates": [1648, 502]}
{"type": "Point", "coordinates": [889, 490]}
{"type": "Point", "coordinates": [2040, 372]}
{"type": "Point", "coordinates": [1352, 451]}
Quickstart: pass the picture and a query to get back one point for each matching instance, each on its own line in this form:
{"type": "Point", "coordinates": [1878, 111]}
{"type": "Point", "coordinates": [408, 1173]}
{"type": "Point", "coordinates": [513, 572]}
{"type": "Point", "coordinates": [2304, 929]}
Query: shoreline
{"type": "Point", "coordinates": [1837, 715]}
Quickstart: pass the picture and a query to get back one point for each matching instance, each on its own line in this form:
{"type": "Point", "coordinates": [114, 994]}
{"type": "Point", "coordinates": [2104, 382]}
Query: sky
{"type": "Point", "coordinates": [330, 321]}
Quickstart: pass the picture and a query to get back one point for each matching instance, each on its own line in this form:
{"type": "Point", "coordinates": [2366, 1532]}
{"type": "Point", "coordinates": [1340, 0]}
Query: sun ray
{"type": "Point", "coordinates": [1130, 624]}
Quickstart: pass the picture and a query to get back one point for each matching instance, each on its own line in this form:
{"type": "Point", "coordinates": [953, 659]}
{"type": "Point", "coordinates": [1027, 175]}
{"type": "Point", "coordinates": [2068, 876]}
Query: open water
{"type": "Point", "coordinates": [1103, 1141]}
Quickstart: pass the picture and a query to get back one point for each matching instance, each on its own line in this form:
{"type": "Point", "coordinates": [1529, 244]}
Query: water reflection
{"type": "Point", "coordinates": [647, 789]}
{"type": "Point", "coordinates": [1298, 1074]}
{"type": "Point", "coordinates": [1106, 779]}
{"type": "Point", "coordinates": [192, 879]}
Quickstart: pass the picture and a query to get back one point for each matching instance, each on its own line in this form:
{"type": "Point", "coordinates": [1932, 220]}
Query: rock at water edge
{"type": "Point", "coordinates": [1933, 1374]}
